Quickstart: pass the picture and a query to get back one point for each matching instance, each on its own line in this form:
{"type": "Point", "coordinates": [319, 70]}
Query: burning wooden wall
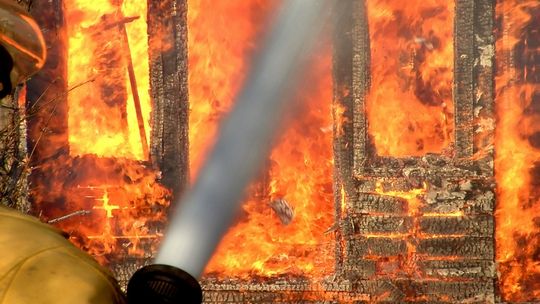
{"type": "Point", "coordinates": [393, 185]}
{"type": "Point", "coordinates": [93, 174]}
{"type": "Point", "coordinates": [417, 216]}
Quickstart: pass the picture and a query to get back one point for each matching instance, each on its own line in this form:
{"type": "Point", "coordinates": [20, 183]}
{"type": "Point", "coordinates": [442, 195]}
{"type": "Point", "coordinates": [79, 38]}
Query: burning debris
{"type": "Point", "coordinates": [283, 210]}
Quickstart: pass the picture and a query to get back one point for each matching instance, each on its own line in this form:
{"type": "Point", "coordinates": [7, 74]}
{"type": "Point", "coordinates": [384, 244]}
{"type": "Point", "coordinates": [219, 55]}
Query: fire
{"type": "Point", "coordinates": [218, 61]}
{"type": "Point", "coordinates": [411, 76]}
{"type": "Point", "coordinates": [300, 166]}
{"type": "Point", "coordinates": [518, 150]}
{"type": "Point", "coordinates": [103, 108]}
{"type": "Point", "coordinates": [301, 173]}
{"type": "Point", "coordinates": [101, 191]}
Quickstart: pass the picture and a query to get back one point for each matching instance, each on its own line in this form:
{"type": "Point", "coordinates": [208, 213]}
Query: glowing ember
{"type": "Point", "coordinates": [300, 167]}
{"type": "Point", "coordinates": [518, 150]}
{"type": "Point", "coordinates": [411, 76]}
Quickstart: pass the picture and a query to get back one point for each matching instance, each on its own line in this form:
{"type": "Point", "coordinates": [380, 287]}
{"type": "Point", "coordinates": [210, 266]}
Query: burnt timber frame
{"type": "Point", "coordinates": [450, 268]}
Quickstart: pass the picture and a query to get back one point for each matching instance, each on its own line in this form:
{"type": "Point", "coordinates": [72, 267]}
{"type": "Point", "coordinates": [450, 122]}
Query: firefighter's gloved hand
{"type": "Point", "coordinates": [39, 266]}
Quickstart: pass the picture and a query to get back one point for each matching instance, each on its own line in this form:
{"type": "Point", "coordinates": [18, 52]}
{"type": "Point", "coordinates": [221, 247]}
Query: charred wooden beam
{"type": "Point", "coordinates": [167, 31]}
{"type": "Point", "coordinates": [463, 77]}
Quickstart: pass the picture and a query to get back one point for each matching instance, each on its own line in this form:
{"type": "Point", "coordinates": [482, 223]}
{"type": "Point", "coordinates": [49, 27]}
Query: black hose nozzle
{"type": "Point", "coordinates": [163, 284]}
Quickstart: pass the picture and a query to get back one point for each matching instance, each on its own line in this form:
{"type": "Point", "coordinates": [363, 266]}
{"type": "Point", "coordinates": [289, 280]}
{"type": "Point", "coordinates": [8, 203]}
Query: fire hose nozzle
{"type": "Point", "coordinates": [163, 284]}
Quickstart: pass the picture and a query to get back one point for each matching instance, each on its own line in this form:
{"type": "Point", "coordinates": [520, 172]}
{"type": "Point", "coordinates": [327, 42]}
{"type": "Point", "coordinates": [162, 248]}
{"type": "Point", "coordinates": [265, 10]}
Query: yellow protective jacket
{"type": "Point", "coordinates": [38, 265]}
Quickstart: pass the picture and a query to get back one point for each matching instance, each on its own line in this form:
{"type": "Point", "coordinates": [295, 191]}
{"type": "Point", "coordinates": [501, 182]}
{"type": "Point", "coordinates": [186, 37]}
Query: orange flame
{"type": "Point", "coordinates": [300, 173]}
{"type": "Point", "coordinates": [218, 63]}
{"type": "Point", "coordinates": [299, 168]}
{"type": "Point", "coordinates": [102, 118]}
{"type": "Point", "coordinates": [518, 150]}
{"type": "Point", "coordinates": [411, 76]}
{"type": "Point", "coordinates": [110, 202]}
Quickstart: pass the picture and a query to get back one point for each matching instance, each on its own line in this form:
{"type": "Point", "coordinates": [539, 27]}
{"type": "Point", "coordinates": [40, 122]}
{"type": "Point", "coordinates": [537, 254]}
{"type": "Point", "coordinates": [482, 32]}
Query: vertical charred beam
{"type": "Point", "coordinates": [167, 30]}
{"type": "Point", "coordinates": [484, 86]}
{"type": "Point", "coordinates": [46, 96]}
{"type": "Point", "coordinates": [343, 128]}
{"type": "Point", "coordinates": [360, 83]}
{"type": "Point", "coordinates": [463, 77]}
{"type": "Point", "coordinates": [351, 83]}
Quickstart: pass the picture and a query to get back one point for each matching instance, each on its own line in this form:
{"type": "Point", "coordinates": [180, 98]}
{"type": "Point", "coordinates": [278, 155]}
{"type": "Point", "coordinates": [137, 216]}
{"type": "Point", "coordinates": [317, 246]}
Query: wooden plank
{"type": "Point", "coordinates": [358, 247]}
{"type": "Point", "coordinates": [480, 225]}
{"type": "Point", "coordinates": [369, 224]}
{"type": "Point", "coordinates": [459, 269]}
{"type": "Point", "coordinates": [373, 203]}
{"type": "Point", "coordinates": [469, 247]}
{"type": "Point", "coordinates": [483, 204]}
{"type": "Point", "coordinates": [454, 292]}
{"type": "Point", "coordinates": [484, 112]}
{"type": "Point", "coordinates": [356, 269]}
{"type": "Point", "coordinates": [360, 62]}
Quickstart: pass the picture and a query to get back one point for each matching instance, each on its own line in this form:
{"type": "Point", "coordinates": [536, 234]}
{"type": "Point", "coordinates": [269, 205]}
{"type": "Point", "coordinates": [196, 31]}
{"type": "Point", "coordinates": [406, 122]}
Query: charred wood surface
{"type": "Point", "coordinates": [418, 229]}
{"type": "Point", "coordinates": [373, 203]}
{"type": "Point", "coordinates": [463, 77]}
{"type": "Point", "coordinates": [481, 225]}
{"type": "Point", "coordinates": [469, 247]}
{"type": "Point", "coordinates": [167, 30]}
{"type": "Point", "coordinates": [464, 269]}
{"type": "Point", "coordinates": [359, 247]}
{"type": "Point", "coordinates": [361, 291]}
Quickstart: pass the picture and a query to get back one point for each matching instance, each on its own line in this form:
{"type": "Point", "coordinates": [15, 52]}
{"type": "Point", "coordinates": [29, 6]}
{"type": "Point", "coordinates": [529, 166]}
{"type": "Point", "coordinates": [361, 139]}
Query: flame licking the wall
{"type": "Point", "coordinates": [517, 164]}
{"type": "Point", "coordinates": [103, 108]}
{"type": "Point", "coordinates": [99, 188]}
{"type": "Point", "coordinates": [411, 76]}
{"type": "Point", "coordinates": [299, 174]}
